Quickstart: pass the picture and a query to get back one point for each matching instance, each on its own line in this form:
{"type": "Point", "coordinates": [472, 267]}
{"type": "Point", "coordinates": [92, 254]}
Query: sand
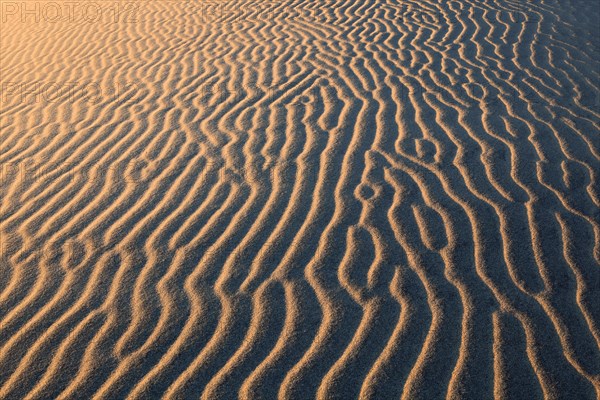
{"type": "Point", "coordinates": [300, 199]}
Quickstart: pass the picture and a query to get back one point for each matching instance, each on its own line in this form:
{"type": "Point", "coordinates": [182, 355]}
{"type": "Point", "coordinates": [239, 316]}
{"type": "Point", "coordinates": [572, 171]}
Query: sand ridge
{"type": "Point", "coordinates": [300, 199]}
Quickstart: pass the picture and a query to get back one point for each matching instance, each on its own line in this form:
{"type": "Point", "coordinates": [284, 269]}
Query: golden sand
{"type": "Point", "coordinates": [300, 199]}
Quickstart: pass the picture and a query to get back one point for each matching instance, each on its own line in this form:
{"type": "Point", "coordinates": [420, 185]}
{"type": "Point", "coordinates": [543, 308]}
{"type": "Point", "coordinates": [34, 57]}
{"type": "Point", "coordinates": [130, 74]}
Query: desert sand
{"type": "Point", "coordinates": [300, 199]}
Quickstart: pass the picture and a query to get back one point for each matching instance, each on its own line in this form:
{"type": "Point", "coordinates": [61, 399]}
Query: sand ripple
{"type": "Point", "coordinates": [300, 199]}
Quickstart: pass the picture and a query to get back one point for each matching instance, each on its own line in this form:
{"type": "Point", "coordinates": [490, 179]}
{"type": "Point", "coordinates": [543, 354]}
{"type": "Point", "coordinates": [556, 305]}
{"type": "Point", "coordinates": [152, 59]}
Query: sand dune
{"type": "Point", "coordinates": [300, 199]}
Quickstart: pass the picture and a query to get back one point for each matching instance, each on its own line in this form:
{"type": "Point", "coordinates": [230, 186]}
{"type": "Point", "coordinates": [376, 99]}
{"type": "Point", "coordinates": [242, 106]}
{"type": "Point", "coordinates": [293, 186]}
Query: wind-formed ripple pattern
{"type": "Point", "coordinates": [297, 199]}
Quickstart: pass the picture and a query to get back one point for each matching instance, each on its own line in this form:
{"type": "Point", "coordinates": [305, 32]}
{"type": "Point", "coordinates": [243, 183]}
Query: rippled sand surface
{"type": "Point", "coordinates": [300, 199]}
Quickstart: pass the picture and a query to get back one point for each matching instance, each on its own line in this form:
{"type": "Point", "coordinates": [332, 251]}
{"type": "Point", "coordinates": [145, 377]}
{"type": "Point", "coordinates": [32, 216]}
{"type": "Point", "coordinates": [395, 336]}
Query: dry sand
{"type": "Point", "coordinates": [300, 199]}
